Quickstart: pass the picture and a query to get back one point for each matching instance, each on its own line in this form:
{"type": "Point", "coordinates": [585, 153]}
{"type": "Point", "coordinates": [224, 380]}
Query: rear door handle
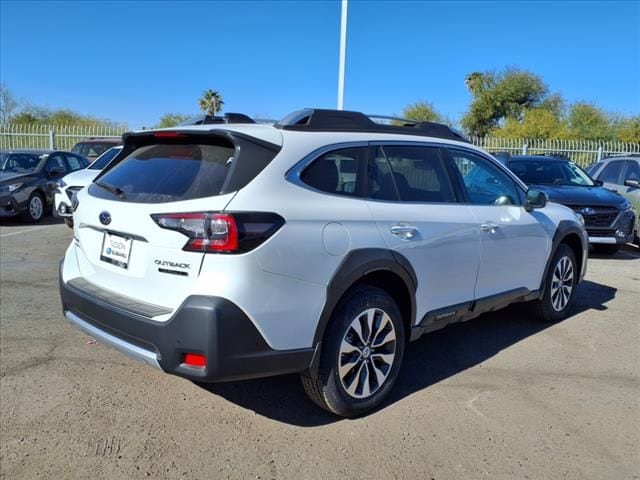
{"type": "Point", "coordinates": [489, 227]}
{"type": "Point", "coordinates": [406, 232]}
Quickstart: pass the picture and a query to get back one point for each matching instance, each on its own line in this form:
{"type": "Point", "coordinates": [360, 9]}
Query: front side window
{"type": "Point", "coordinates": [633, 170]}
{"type": "Point", "coordinates": [410, 174]}
{"type": "Point", "coordinates": [56, 163]}
{"type": "Point", "coordinates": [485, 183]}
{"type": "Point", "coordinates": [75, 163]}
{"type": "Point", "coordinates": [611, 173]}
{"type": "Point", "coordinates": [337, 172]}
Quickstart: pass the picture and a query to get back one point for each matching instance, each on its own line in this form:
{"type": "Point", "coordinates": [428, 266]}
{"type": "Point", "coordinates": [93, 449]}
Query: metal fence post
{"type": "Point", "coordinates": [525, 148]}
{"type": "Point", "coordinates": [599, 153]}
{"type": "Point", "coordinates": [52, 140]}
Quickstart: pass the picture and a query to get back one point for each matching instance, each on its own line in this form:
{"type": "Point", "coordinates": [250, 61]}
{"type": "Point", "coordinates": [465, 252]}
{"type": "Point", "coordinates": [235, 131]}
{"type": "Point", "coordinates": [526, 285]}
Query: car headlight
{"type": "Point", "coordinates": [60, 183]}
{"type": "Point", "coordinates": [11, 188]}
{"type": "Point", "coordinates": [625, 206]}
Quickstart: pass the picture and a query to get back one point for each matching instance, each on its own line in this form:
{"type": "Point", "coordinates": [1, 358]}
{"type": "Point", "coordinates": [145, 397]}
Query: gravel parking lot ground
{"type": "Point", "coordinates": [499, 397]}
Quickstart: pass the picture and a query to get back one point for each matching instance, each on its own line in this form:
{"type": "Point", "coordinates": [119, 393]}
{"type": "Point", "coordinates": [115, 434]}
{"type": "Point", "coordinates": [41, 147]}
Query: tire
{"type": "Point", "coordinates": [606, 249]}
{"type": "Point", "coordinates": [357, 369]}
{"type": "Point", "coordinates": [560, 280]}
{"type": "Point", "coordinates": [35, 208]}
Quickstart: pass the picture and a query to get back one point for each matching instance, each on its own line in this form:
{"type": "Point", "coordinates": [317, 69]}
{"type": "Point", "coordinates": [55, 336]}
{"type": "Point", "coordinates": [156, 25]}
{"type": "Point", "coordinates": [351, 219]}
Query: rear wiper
{"type": "Point", "coordinates": [118, 192]}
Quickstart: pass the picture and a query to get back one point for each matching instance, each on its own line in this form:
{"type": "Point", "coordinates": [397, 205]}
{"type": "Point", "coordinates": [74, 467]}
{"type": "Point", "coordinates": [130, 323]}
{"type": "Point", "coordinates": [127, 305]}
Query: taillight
{"type": "Point", "coordinates": [221, 232]}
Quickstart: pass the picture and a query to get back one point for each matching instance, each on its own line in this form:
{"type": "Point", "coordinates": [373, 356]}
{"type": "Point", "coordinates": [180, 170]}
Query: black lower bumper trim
{"type": "Point", "coordinates": [210, 326]}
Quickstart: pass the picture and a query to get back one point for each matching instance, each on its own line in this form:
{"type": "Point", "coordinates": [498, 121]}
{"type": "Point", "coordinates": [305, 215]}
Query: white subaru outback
{"type": "Point", "coordinates": [320, 245]}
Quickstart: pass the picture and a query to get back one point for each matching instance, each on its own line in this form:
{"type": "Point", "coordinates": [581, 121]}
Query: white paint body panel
{"type": "Point", "coordinates": [282, 284]}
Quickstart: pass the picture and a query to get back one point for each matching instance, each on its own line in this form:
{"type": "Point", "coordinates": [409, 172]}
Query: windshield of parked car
{"type": "Point", "coordinates": [549, 172]}
{"type": "Point", "coordinates": [20, 162]}
{"type": "Point", "coordinates": [104, 159]}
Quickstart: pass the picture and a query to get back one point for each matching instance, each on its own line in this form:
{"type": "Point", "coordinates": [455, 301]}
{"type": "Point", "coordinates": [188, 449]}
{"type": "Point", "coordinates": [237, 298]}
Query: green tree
{"type": "Point", "coordinates": [496, 96]}
{"type": "Point", "coordinates": [588, 122]}
{"type": "Point", "coordinates": [628, 129]}
{"type": "Point", "coordinates": [423, 112]}
{"type": "Point", "coordinates": [211, 102]}
{"type": "Point", "coordinates": [8, 104]}
{"type": "Point", "coordinates": [171, 120]}
{"type": "Point", "coordinates": [536, 123]}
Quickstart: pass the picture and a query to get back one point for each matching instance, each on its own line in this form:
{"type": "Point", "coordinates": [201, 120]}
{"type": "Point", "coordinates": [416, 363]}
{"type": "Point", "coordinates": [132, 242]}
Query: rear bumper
{"type": "Point", "coordinates": [209, 326]}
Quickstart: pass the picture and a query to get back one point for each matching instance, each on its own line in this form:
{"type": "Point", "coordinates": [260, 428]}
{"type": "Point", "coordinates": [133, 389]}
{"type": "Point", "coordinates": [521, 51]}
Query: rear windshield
{"type": "Point", "coordinates": [170, 172]}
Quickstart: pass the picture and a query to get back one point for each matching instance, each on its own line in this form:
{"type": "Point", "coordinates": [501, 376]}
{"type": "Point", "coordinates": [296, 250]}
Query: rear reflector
{"type": "Point", "coordinates": [195, 360]}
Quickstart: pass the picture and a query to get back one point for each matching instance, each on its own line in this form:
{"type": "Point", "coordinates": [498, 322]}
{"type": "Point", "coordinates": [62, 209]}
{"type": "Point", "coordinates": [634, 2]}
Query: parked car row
{"type": "Point", "coordinates": [31, 180]}
{"type": "Point", "coordinates": [609, 218]}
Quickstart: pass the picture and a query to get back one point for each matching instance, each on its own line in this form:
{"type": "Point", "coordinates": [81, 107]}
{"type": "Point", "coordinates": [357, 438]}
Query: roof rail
{"type": "Point", "coordinates": [321, 120]}
{"type": "Point", "coordinates": [211, 119]}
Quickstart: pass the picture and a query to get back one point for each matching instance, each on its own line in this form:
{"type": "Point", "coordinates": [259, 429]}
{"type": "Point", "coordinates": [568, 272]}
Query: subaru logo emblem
{"type": "Point", "coordinates": [587, 211]}
{"type": "Point", "coordinates": [105, 218]}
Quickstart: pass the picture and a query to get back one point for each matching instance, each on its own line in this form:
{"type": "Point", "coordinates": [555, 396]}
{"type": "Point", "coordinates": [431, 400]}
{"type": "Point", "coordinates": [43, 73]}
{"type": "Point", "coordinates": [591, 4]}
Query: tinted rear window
{"type": "Point", "coordinates": [172, 172]}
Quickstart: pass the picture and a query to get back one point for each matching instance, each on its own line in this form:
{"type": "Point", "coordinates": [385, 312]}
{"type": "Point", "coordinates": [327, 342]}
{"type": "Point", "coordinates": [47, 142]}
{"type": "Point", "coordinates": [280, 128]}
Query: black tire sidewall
{"type": "Point", "coordinates": [550, 313]}
{"type": "Point", "coordinates": [360, 300]}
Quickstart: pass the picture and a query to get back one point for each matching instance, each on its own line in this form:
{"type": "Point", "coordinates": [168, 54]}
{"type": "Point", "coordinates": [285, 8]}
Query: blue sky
{"type": "Point", "coordinates": [134, 61]}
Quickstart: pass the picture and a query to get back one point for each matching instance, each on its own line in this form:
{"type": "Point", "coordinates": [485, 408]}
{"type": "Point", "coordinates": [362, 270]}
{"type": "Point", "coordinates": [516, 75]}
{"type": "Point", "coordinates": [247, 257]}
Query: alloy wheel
{"type": "Point", "coordinates": [562, 284]}
{"type": "Point", "coordinates": [367, 353]}
{"type": "Point", "coordinates": [35, 207]}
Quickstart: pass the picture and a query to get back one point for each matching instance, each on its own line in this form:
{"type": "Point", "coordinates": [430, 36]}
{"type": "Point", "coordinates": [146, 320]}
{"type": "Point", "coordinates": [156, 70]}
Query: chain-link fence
{"type": "Point", "coordinates": [64, 137]}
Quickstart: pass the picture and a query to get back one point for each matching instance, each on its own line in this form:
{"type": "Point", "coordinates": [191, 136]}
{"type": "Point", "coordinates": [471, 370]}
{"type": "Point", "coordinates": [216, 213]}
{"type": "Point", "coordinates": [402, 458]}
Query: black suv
{"type": "Point", "coordinates": [608, 217]}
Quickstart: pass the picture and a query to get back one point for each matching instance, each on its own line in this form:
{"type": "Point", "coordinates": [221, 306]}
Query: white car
{"type": "Point", "coordinates": [76, 181]}
{"type": "Point", "coordinates": [320, 245]}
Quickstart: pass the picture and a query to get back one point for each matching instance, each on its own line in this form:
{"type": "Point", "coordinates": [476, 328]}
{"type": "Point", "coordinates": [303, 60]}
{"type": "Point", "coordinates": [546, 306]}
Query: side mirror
{"type": "Point", "coordinates": [632, 183]}
{"type": "Point", "coordinates": [599, 183]}
{"type": "Point", "coordinates": [535, 199]}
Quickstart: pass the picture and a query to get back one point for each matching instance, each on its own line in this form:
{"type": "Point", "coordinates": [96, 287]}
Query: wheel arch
{"type": "Point", "coordinates": [568, 233]}
{"type": "Point", "coordinates": [377, 267]}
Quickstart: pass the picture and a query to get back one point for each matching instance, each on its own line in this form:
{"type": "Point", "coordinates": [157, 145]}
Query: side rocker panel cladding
{"type": "Point", "coordinates": [356, 265]}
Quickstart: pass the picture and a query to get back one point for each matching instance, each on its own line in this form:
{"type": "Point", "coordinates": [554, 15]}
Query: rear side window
{"type": "Point", "coordinates": [414, 174]}
{"type": "Point", "coordinates": [337, 172]}
{"type": "Point", "coordinates": [633, 170]}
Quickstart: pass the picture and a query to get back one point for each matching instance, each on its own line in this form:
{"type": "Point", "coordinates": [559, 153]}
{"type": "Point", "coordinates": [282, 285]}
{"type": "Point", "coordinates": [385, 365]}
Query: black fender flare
{"type": "Point", "coordinates": [564, 229]}
{"type": "Point", "coordinates": [355, 265]}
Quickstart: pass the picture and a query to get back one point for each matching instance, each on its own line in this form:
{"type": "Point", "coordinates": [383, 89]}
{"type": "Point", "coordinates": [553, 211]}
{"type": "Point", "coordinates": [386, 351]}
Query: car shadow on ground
{"type": "Point", "coordinates": [19, 222]}
{"type": "Point", "coordinates": [434, 357]}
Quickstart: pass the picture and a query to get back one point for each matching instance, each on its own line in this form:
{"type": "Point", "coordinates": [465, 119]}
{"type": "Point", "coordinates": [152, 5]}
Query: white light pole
{"type": "Point", "coordinates": [343, 54]}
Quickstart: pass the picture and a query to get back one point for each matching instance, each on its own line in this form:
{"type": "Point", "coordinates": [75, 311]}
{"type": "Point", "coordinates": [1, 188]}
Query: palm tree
{"type": "Point", "coordinates": [211, 102]}
{"type": "Point", "coordinates": [474, 81]}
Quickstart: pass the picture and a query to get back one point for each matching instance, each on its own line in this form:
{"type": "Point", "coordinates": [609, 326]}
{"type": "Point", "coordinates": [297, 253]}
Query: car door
{"type": "Point", "coordinates": [418, 213]}
{"type": "Point", "coordinates": [55, 168]}
{"type": "Point", "coordinates": [514, 246]}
